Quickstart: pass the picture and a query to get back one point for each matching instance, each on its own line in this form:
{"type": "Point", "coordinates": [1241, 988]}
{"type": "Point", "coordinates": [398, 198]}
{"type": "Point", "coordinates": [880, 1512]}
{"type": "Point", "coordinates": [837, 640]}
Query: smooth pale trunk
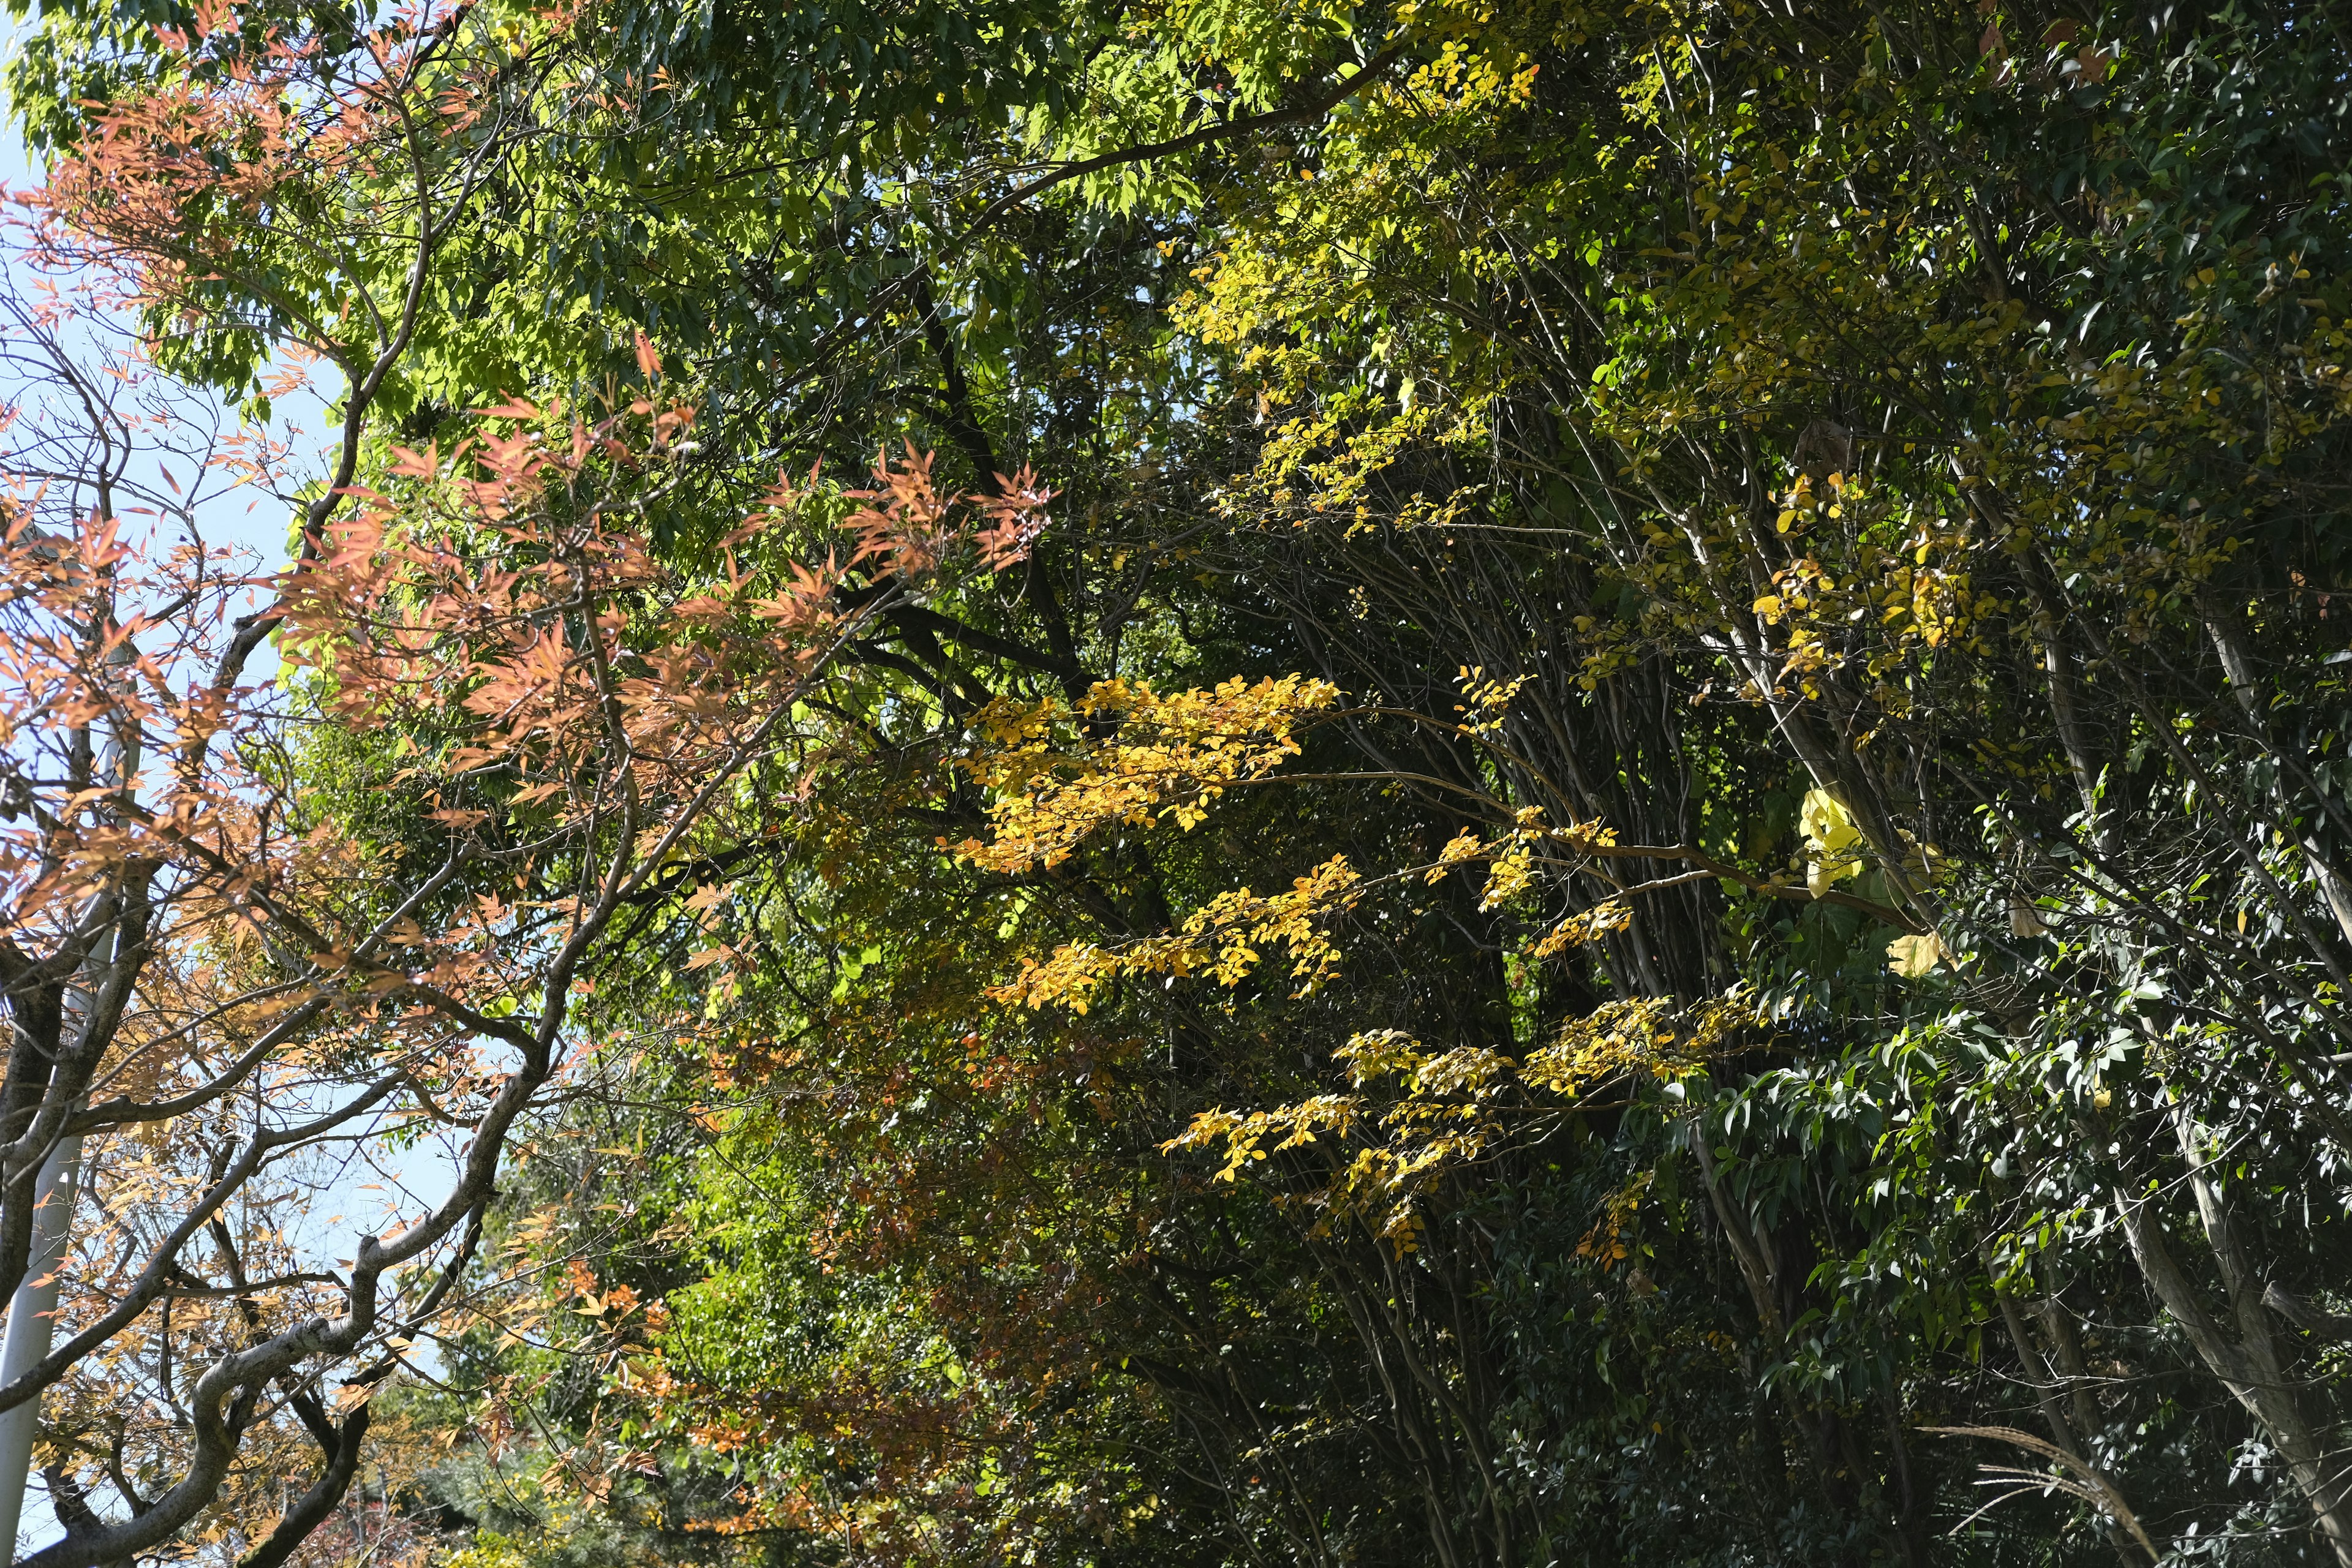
{"type": "Point", "coordinates": [32, 1319]}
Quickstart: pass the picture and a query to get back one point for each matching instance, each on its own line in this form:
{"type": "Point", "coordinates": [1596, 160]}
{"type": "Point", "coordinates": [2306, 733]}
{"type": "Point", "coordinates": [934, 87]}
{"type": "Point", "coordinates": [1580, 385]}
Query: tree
{"type": "Point", "coordinates": [211, 978]}
{"type": "Point", "coordinates": [1756, 585]}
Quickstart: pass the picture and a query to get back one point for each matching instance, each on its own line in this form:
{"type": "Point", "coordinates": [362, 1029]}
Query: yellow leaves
{"type": "Point", "coordinates": [1237, 919]}
{"type": "Point", "coordinates": [1511, 858]}
{"type": "Point", "coordinates": [1244, 1136]}
{"type": "Point", "coordinates": [1825, 822]}
{"type": "Point", "coordinates": [1224, 939]}
{"type": "Point", "coordinates": [1833, 845]}
{"type": "Point", "coordinates": [535, 1227]}
{"type": "Point", "coordinates": [1657, 1037]}
{"type": "Point", "coordinates": [1487, 701]}
{"type": "Point", "coordinates": [1056, 778]}
{"type": "Point", "coordinates": [1463, 845]}
{"type": "Point", "coordinates": [1589, 925]}
{"type": "Point", "coordinates": [1448, 1108]}
{"type": "Point", "coordinates": [1508, 875]}
{"type": "Point", "coordinates": [1469, 1071]}
{"type": "Point", "coordinates": [1914, 956]}
{"type": "Point", "coordinates": [1379, 1053]}
{"type": "Point", "coordinates": [1587, 836]}
{"type": "Point", "coordinates": [1606, 1242]}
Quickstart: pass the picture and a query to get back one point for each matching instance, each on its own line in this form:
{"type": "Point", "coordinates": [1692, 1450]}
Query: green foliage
{"type": "Point", "coordinates": [1846, 505]}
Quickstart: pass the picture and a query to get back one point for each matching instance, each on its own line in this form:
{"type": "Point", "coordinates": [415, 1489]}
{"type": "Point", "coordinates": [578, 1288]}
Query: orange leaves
{"type": "Point", "coordinates": [173, 183]}
{"type": "Point", "coordinates": [614, 1305]}
{"type": "Point", "coordinates": [134, 182]}
{"type": "Point", "coordinates": [568, 641]}
{"type": "Point", "coordinates": [505, 603]}
{"type": "Point", "coordinates": [908, 530]}
{"type": "Point", "coordinates": [94, 706]}
{"type": "Point", "coordinates": [1016, 516]}
{"type": "Point", "coordinates": [553, 723]}
{"type": "Point", "coordinates": [570, 638]}
{"type": "Point", "coordinates": [284, 160]}
{"type": "Point", "coordinates": [805, 604]}
{"type": "Point", "coordinates": [907, 522]}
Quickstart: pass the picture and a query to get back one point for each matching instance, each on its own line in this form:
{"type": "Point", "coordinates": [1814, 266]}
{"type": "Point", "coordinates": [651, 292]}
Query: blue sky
{"type": "Point", "coordinates": [246, 520]}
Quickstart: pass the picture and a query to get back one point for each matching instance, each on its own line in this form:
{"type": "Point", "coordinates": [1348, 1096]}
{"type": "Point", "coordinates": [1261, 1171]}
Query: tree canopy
{"type": "Point", "coordinates": [1219, 783]}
